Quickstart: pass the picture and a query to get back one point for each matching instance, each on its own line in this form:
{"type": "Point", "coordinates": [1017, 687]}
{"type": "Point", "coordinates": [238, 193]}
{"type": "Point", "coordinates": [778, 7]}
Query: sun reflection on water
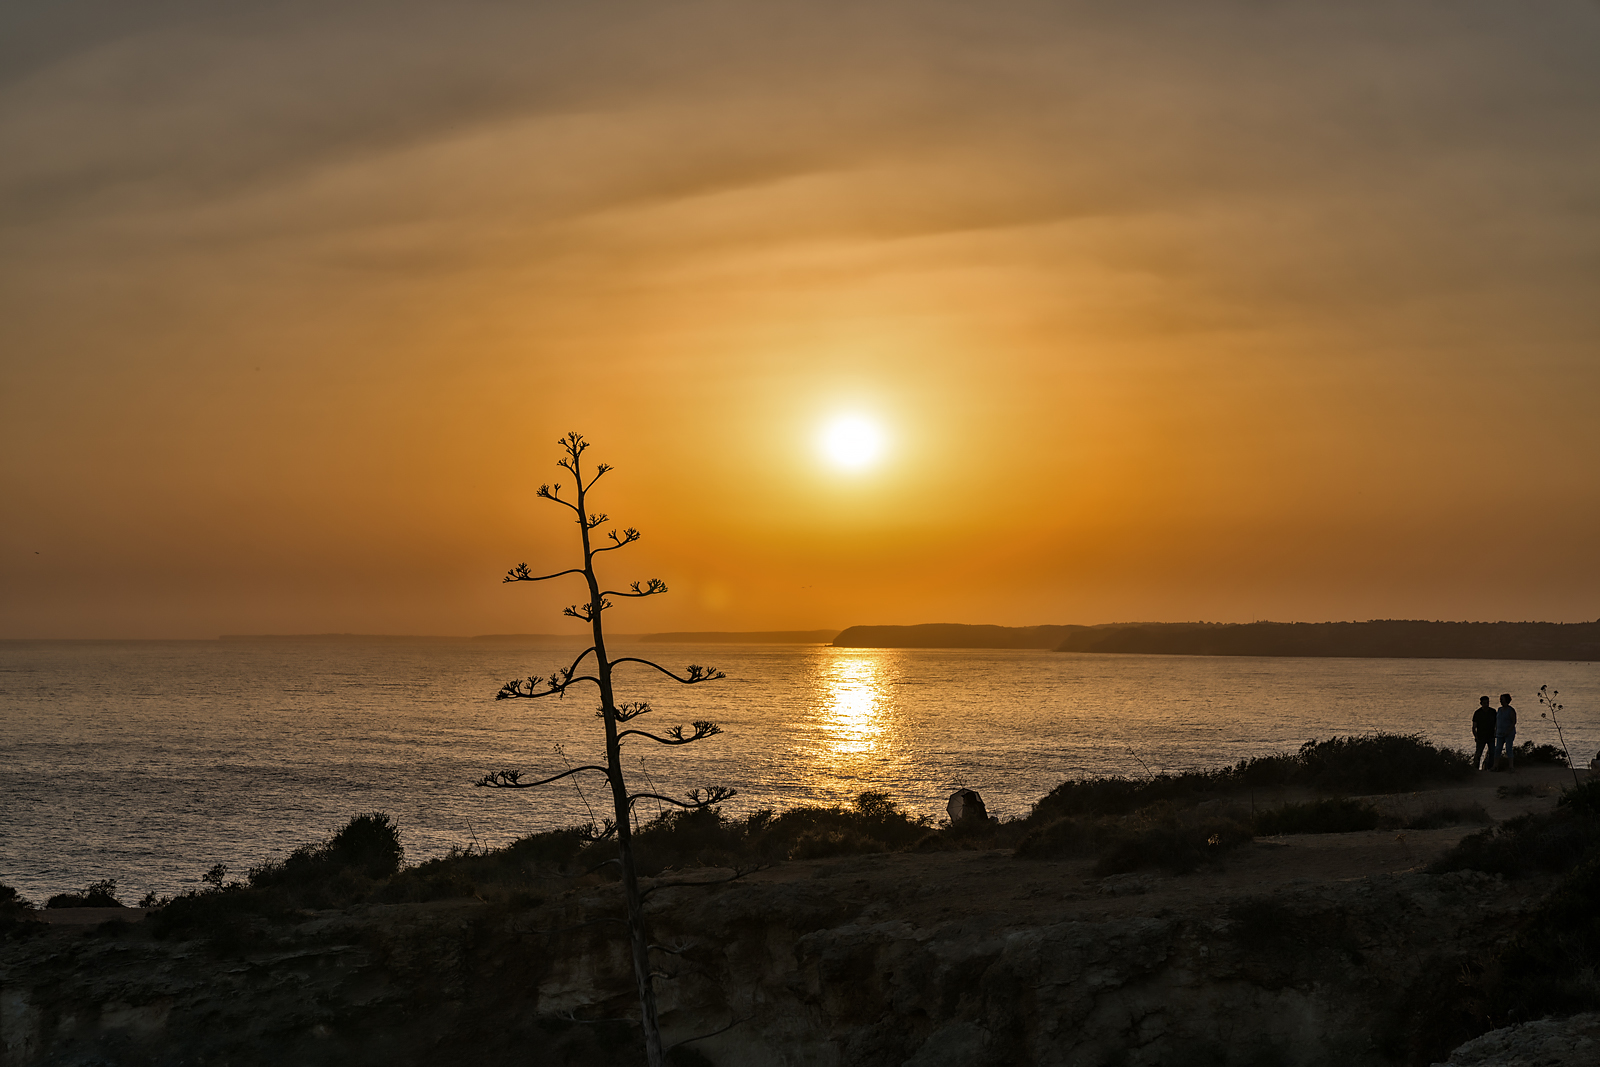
{"type": "Point", "coordinates": [854, 713]}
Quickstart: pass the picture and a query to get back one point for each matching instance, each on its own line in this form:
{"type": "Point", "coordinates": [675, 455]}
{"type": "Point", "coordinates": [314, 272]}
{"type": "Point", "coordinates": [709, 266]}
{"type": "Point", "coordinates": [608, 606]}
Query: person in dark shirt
{"type": "Point", "coordinates": [1505, 733]}
{"type": "Point", "coordinates": [1483, 735]}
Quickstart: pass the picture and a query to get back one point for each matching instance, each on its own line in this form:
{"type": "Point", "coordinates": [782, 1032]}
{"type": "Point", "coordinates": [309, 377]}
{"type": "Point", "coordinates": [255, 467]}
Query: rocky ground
{"type": "Point", "coordinates": [1308, 950]}
{"type": "Point", "coordinates": [1571, 1042]}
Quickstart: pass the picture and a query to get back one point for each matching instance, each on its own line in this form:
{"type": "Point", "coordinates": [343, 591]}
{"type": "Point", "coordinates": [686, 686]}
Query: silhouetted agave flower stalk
{"type": "Point", "coordinates": [1547, 697]}
{"type": "Point", "coordinates": [612, 713]}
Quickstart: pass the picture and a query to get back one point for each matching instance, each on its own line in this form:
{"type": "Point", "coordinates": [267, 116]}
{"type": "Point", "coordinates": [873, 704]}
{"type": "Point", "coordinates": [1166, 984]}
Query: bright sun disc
{"type": "Point", "coordinates": [852, 441]}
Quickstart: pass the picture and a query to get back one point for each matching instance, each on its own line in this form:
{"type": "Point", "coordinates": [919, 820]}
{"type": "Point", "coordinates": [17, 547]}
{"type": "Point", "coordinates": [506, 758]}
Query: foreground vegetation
{"type": "Point", "coordinates": [1545, 961]}
{"type": "Point", "coordinates": [1174, 822]}
{"type": "Point", "coordinates": [1551, 965]}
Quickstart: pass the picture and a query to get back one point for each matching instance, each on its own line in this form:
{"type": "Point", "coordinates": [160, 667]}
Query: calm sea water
{"type": "Point", "coordinates": [150, 761]}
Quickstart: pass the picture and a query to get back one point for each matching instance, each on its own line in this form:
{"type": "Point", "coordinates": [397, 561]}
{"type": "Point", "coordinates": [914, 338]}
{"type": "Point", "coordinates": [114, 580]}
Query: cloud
{"type": "Point", "coordinates": [1351, 237]}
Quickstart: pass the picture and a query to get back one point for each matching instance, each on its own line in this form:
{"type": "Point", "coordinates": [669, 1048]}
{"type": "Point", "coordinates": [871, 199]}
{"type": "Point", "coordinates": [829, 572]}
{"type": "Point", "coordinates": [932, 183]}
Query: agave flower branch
{"type": "Point", "coordinates": [611, 713]}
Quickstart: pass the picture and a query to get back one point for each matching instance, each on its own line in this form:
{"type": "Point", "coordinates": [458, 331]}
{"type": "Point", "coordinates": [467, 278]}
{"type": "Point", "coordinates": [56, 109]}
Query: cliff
{"type": "Point", "coordinates": [1337, 949]}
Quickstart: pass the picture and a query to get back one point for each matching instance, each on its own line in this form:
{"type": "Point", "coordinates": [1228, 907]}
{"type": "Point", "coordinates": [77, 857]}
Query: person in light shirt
{"type": "Point", "coordinates": [1505, 733]}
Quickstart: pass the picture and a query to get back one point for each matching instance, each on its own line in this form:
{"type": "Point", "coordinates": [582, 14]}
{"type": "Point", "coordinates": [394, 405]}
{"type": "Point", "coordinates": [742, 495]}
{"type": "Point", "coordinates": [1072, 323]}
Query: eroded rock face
{"type": "Point", "coordinates": [1573, 1042]}
{"type": "Point", "coordinates": [848, 962]}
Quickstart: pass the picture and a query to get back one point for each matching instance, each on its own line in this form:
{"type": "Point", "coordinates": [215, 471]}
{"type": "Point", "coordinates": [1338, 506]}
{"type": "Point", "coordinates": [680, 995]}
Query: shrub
{"type": "Point", "coordinates": [217, 913]}
{"type": "Point", "coordinates": [367, 848]}
{"type": "Point", "coordinates": [1552, 964]}
{"type": "Point", "coordinates": [705, 837]}
{"type": "Point", "coordinates": [1582, 799]}
{"type": "Point", "coordinates": [1334, 816]}
{"type": "Point", "coordinates": [14, 905]}
{"type": "Point", "coordinates": [823, 843]}
{"type": "Point", "coordinates": [871, 824]}
{"type": "Point", "coordinates": [1068, 838]}
{"type": "Point", "coordinates": [369, 843]}
{"type": "Point", "coordinates": [1170, 842]}
{"type": "Point", "coordinates": [1542, 755]}
{"type": "Point", "coordinates": [1552, 842]}
{"type": "Point", "coordinates": [1117, 795]}
{"type": "Point", "coordinates": [1164, 837]}
{"type": "Point", "coordinates": [437, 879]}
{"type": "Point", "coordinates": [102, 894]}
{"type": "Point", "coordinates": [520, 867]}
{"type": "Point", "coordinates": [1551, 967]}
{"type": "Point", "coordinates": [1378, 763]}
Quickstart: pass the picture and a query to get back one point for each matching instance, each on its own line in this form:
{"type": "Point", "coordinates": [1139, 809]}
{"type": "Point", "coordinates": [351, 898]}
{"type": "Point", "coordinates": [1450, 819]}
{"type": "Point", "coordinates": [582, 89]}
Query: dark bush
{"type": "Point", "coordinates": [1169, 842]}
{"type": "Point", "coordinates": [821, 844]}
{"type": "Point", "coordinates": [219, 914]}
{"type": "Point", "coordinates": [102, 894]}
{"type": "Point", "coordinates": [1582, 799]}
{"type": "Point", "coordinates": [1333, 816]}
{"type": "Point", "coordinates": [1378, 763]}
{"type": "Point", "coordinates": [1540, 755]}
{"type": "Point", "coordinates": [437, 879]}
{"type": "Point", "coordinates": [368, 848]}
{"type": "Point", "coordinates": [1553, 965]}
{"type": "Point", "coordinates": [1550, 842]}
{"type": "Point", "coordinates": [520, 867]}
{"type": "Point", "coordinates": [369, 843]}
{"type": "Point", "coordinates": [1164, 837]}
{"type": "Point", "coordinates": [705, 837]}
{"type": "Point", "coordinates": [1119, 795]}
{"type": "Point", "coordinates": [1063, 839]}
{"type": "Point", "coordinates": [14, 905]}
{"type": "Point", "coordinates": [872, 824]}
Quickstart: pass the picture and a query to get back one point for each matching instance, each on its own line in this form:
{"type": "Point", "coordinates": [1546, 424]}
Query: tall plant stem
{"type": "Point", "coordinates": [638, 937]}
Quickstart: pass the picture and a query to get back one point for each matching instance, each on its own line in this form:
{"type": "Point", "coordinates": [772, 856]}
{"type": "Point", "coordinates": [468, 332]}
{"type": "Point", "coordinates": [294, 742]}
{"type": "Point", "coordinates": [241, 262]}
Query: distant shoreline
{"type": "Point", "coordinates": [1375, 639]}
{"type": "Point", "coordinates": [709, 637]}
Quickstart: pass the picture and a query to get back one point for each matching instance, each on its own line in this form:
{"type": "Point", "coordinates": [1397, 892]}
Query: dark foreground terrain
{"type": "Point", "coordinates": [1380, 946]}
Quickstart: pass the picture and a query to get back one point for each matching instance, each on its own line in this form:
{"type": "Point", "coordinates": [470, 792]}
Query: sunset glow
{"type": "Point", "coordinates": [1155, 311]}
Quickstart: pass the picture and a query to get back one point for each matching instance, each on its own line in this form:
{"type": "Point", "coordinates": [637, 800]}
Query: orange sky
{"type": "Point", "coordinates": [1221, 311]}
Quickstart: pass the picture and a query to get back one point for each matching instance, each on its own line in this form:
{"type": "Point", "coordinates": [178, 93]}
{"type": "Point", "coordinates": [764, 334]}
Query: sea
{"type": "Point", "coordinates": [150, 761]}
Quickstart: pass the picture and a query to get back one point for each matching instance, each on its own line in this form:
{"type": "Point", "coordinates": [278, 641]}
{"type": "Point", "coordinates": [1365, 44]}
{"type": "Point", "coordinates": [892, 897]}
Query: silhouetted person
{"type": "Point", "coordinates": [1483, 735]}
{"type": "Point", "coordinates": [1505, 733]}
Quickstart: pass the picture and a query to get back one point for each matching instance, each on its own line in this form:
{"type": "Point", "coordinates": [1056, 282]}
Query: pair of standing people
{"type": "Point", "coordinates": [1494, 729]}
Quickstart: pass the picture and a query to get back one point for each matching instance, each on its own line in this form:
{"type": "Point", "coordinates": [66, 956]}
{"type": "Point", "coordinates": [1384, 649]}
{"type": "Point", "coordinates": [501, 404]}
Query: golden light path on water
{"type": "Point", "coordinates": [856, 704]}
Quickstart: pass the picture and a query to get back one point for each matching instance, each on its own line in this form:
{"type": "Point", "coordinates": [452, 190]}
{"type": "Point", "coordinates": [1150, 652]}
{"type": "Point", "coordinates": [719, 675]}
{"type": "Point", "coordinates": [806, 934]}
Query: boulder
{"type": "Point", "coordinates": [1572, 1042]}
{"type": "Point", "coordinates": [966, 809]}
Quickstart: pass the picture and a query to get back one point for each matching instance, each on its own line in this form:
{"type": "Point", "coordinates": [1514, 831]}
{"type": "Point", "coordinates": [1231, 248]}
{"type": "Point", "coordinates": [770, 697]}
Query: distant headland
{"type": "Point", "coordinates": [1377, 639]}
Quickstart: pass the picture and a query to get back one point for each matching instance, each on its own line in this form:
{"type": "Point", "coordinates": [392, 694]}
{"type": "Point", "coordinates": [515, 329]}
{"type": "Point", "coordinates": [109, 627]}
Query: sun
{"type": "Point", "coordinates": [853, 442]}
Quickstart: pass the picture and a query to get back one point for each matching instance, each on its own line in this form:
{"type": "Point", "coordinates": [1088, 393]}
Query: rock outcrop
{"type": "Point", "coordinates": [1573, 1042]}
{"type": "Point", "coordinates": [966, 808]}
{"type": "Point", "coordinates": [961, 958]}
